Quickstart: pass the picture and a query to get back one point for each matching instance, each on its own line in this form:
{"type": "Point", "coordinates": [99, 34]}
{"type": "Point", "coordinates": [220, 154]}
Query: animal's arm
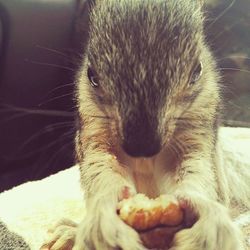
{"type": "Point", "coordinates": [104, 182]}
{"type": "Point", "coordinates": [197, 192]}
{"type": "Point", "coordinates": [102, 176]}
{"type": "Point", "coordinates": [197, 173]}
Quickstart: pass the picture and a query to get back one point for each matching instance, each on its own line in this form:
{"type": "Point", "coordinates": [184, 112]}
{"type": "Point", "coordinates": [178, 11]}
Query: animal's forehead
{"type": "Point", "coordinates": [143, 42]}
{"type": "Point", "coordinates": [137, 30]}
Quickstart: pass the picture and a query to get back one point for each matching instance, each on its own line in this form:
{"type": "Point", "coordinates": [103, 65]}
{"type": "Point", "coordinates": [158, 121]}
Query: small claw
{"type": "Point", "coordinates": [126, 193]}
{"type": "Point", "coordinates": [190, 215]}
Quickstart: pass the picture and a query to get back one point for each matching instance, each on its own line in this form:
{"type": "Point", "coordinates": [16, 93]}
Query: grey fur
{"type": "Point", "coordinates": [145, 54]}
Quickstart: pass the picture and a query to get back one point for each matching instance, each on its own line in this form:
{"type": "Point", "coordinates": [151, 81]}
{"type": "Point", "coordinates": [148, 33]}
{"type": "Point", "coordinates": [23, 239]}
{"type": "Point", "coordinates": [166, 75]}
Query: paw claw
{"type": "Point", "coordinates": [61, 236]}
{"type": "Point", "coordinates": [208, 225]}
{"type": "Point", "coordinates": [190, 215]}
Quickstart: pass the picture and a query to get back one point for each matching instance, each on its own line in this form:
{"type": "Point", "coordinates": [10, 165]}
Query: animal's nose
{"type": "Point", "coordinates": [141, 140]}
{"type": "Point", "coordinates": [140, 148]}
{"type": "Point", "coordinates": [141, 137]}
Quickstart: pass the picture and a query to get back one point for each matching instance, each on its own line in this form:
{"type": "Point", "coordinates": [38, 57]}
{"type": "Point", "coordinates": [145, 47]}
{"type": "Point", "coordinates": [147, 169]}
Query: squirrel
{"type": "Point", "coordinates": [149, 97]}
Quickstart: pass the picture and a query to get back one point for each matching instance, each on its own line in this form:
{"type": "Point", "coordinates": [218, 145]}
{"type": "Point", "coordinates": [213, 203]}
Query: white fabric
{"type": "Point", "coordinates": [30, 209]}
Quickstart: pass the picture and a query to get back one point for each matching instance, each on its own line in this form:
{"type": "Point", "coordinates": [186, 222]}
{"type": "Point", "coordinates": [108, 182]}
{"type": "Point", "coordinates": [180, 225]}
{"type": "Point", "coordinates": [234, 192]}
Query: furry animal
{"type": "Point", "coordinates": [148, 103]}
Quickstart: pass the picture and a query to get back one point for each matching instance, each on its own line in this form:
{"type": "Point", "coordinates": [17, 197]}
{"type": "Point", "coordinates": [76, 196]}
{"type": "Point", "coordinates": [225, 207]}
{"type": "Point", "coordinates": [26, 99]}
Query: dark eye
{"type": "Point", "coordinates": [93, 78]}
{"type": "Point", "coordinates": [197, 73]}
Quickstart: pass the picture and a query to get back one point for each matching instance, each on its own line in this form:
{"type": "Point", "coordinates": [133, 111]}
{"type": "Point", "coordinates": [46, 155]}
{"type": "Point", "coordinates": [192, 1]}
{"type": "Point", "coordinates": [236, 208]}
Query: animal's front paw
{"type": "Point", "coordinates": [61, 236]}
{"type": "Point", "coordinates": [104, 230]}
{"type": "Point", "coordinates": [212, 228]}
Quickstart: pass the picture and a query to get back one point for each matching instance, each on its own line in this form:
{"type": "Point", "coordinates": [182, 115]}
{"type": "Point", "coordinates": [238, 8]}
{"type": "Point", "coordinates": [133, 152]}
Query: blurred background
{"type": "Point", "coordinates": [228, 32]}
{"type": "Point", "coordinates": [41, 45]}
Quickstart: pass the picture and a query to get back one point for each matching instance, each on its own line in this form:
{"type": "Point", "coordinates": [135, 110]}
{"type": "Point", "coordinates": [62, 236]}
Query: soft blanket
{"type": "Point", "coordinates": [28, 210]}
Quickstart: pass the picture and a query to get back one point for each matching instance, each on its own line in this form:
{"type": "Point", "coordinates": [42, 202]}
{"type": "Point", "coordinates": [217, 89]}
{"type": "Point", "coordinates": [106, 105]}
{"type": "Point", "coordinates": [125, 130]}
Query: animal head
{"type": "Point", "coordinates": [146, 66]}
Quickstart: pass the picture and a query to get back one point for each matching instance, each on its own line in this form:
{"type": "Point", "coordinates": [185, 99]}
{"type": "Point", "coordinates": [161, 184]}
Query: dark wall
{"type": "Point", "coordinates": [36, 88]}
{"type": "Point", "coordinates": [228, 29]}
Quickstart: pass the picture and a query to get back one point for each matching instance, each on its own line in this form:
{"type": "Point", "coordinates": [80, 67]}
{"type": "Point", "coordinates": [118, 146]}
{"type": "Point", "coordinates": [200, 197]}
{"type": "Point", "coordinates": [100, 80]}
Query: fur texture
{"type": "Point", "coordinates": [144, 55]}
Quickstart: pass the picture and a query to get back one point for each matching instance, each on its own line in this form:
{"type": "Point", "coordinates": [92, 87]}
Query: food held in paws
{"type": "Point", "coordinates": [143, 213]}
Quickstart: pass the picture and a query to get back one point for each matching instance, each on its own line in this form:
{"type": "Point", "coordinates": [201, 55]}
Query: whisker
{"type": "Point", "coordinates": [60, 87]}
{"type": "Point", "coordinates": [226, 89]}
{"type": "Point", "coordinates": [53, 50]}
{"type": "Point", "coordinates": [236, 69]}
{"type": "Point", "coordinates": [54, 98]}
{"type": "Point", "coordinates": [190, 120]}
{"type": "Point", "coordinates": [232, 57]}
{"type": "Point", "coordinates": [26, 111]}
{"type": "Point", "coordinates": [222, 13]}
{"type": "Point", "coordinates": [58, 153]}
{"type": "Point", "coordinates": [44, 131]}
{"type": "Point", "coordinates": [234, 123]}
{"type": "Point", "coordinates": [65, 136]}
{"type": "Point", "coordinates": [13, 117]}
{"type": "Point", "coordinates": [71, 56]}
{"type": "Point", "coordinates": [41, 149]}
{"type": "Point", "coordinates": [47, 146]}
{"type": "Point", "coordinates": [101, 117]}
{"type": "Point", "coordinates": [68, 52]}
{"type": "Point", "coordinates": [224, 122]}
{"type": "Point", "coordinates": [50, 162]}
{"type": "Point", "coordinates": [50, 64]}
{"type": "Point", "coordinates": [180, 145]}
{"type": "Point", "coordinates": [237, 106]}
{"type": "Point", "coordinates": [228, 28]}
{"type": "Point", "coordinates": [174, 150]}
{"type": "Point", "coordinates": [187, 120]}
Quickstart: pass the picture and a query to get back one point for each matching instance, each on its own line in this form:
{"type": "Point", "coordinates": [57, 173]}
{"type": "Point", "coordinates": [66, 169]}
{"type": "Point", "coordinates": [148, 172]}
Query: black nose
{"type": "Point", "coordinates": [141, 137]}
{"type": "Point", "coordinates": [140, 149]}
{"type": "Point", "coordinates": [141, 141]}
